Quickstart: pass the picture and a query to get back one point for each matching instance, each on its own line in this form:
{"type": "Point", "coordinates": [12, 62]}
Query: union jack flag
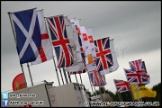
{"type": "Point", "coordinates": [103, 54]}
{"type": "Point", "coordinates": [135, 77]}
{"type": "Point", "coordinates": [96, 78]}
{"type": "Point", "coordinates": [121, 86]}
{"type": "Point", "coordinates": [137, 65]}
{"type": "Point", "coordinates": [60, 41]}
{"type": "Point", "coordinates": [78, 72]}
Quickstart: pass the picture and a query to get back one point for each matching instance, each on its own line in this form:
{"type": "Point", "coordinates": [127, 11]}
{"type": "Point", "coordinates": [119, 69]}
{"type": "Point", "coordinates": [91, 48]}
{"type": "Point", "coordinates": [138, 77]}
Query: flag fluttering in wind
{"type": "Point", "coordinates": [142, 91]}
{"type": "Point", "coordinates": [103, 54]}
{"type": "Point", "coordinates": [96, 78]}
{"type": "Point", "coordinates": [137, 65]}
{"type": "Point", "coordinates": [121, 86]}
{"type": "Point", "coordinates": [73, 36]}
{"type": "Point", "coordinates": [18, 82]}
{"type": "Point", "coordinates": [60, 41]}
{"type": "Point", "coordinates": [45, 51]}
{"type": "Point", "coordinates": [115, 65]}
{"type": "Point", "coordinates": [28, 37]}
{"type": "Point", "coordinates": [137, 78]}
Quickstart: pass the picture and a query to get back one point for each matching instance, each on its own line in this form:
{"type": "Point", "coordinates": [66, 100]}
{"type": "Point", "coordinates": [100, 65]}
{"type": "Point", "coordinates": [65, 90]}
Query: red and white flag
{"type": "Point", "coordinates": [115, 65]}
{"type": "Point", "coordinates": [45, 51]}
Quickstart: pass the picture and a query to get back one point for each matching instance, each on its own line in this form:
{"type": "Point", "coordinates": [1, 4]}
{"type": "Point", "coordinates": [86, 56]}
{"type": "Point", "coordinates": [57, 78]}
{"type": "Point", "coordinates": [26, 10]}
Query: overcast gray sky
{"type": "Point", "coordinates": [134, 26]}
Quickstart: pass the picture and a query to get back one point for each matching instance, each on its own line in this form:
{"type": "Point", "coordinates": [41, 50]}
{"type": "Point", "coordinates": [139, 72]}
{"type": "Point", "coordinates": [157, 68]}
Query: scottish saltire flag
{"type": "Point", "coordinates": [28, 37]}
{"type": "Point", "coordinates": [96, 78]}
{"type": "Point", "coordinates": [115, 65]}
{"type": "Point", "coordinates": [137, 65]}
{"type": "Point", "coordinates": [60, 41]}
{"type": "Point", "coordinates": [103, 54]}
{"type": "Point", "coordinates": [121, 86]}
{"type": "Point", "coordinates": [135, 77]}
{"type": "Point", "coordinates": [45, 51]}
{"type": "Point", "coordinates": [78, 72]}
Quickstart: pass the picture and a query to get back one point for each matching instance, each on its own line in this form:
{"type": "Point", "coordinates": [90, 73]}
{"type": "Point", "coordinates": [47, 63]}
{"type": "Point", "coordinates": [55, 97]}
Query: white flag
{"type": "Point", "coordinates": [92, 51]}
{"type": "Point", "coordinates": [73, 36]}
{"type": "Point", "coordinates": [115, 62]}
{"type": "Point", "coordinates": [46, 51]}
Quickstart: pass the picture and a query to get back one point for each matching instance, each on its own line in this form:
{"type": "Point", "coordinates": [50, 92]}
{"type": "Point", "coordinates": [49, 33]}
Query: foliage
{"type": "Point", "coordinates": [127, 96]}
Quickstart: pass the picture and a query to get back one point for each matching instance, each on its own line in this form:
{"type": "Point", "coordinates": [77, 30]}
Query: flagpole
{"type": "Point", "coordinates": [56, 71]}
{"type": "Point", "coordinates": [76, 78]}
{"type": "Point", "coordinates": [22, 69]}
{"type": "Point", "coordinates": [139, 93]}
{"type": "Point", "coordinates": [91, 83]}
{"type": "Point", "coordinates": [101, 93]}
{"type": "Point", "coordinates": [69, 76]}
{"type": "Point", "coordinates": [65, 76]}
{"type": "Point", "coordinates": [31, 79]}
{"type": "Point", "coordinates": [14, 35]}
{"type": "Point", "coordinates": [80, 78]}
{"type": "Point", "coordinates": [120, 97]}
{"type": "Point", "coordinates": [61, 76]}
{"type": "Point", "coordinates": [131, 92]}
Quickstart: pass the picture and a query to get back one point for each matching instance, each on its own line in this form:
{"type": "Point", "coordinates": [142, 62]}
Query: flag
{"type": "Point", "coordinates": [92, 51]}
{"type": "Point", "coordinates": [96, 78]}
{"type": "Point", "coordinates": [137, 65]}
{"type": "Point", "coordinates": [45, 51]}
{"type": "Point", "coordinates": [73, 37]}
{"type": "Point", "coordinates": [78, 72]}
{"type": "Point", "coordinates": [142, 91]}
{"type": "Point", "coordinates": [135, 77]}
{"type": "Point", "coordinates": [75, 45]}
{"type": "Point", "coordinates": [19, 82]}
{"type": "Point", "coordinates": [115, 65]}
{"type": "Point", "coordinates": [86, 45]}
{"type": "Point", "coordinates": [121, 86]}
{"type": "Point", "coordinates": [28, 37]}
{"type": "Point", "coordinates": [60, 41]}
{"type": "Point", "coordinates": [103, 54]}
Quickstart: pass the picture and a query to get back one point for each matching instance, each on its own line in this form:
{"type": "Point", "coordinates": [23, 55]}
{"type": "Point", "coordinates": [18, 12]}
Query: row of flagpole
{"type": "Point", "coordinates": [67, 75]}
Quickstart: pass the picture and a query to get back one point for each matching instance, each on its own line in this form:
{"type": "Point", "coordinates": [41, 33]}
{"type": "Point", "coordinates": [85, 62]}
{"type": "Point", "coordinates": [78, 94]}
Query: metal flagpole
{"type": "Point", "coordinates": [131, 92]}
{"type": "Point", "coordinates": [119, 95]}
{"type": "Point", "coordinates": [76, 78]}
{"type": "Point", "coordinates": [144, 66]}
{"type": "Point", "coordinates": [65, 76]}
{"type": "Point", "coordinates": [61, 76]}
{"type": "Point", "coordinates": [31, 79]}
{"type": "Point", "coordinates": [91, 83]}
{"type": "Point", "coordinates": [80, 78]}
{"type": "Point", "coordinates": [101, 93]}
{"type": "Point", "coordinates": [56, 71]}
{"type": "Point", "coordinates": [14, 35]}
{"type": "Point", "coordinates": [69, 76]}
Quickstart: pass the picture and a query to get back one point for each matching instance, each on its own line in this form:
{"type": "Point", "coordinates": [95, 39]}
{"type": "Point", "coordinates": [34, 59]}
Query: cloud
{"type": "Point", "coordinates": [134, 26]}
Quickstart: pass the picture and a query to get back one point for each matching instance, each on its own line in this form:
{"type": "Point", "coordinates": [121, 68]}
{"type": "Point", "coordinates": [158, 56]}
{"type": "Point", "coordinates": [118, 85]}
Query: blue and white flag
{"type": "Point", "coordinates": [28, 37]}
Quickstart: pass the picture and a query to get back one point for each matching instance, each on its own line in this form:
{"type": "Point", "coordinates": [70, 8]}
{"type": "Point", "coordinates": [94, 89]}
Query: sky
{"type": "Point", "coordinates": [135, 27]}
